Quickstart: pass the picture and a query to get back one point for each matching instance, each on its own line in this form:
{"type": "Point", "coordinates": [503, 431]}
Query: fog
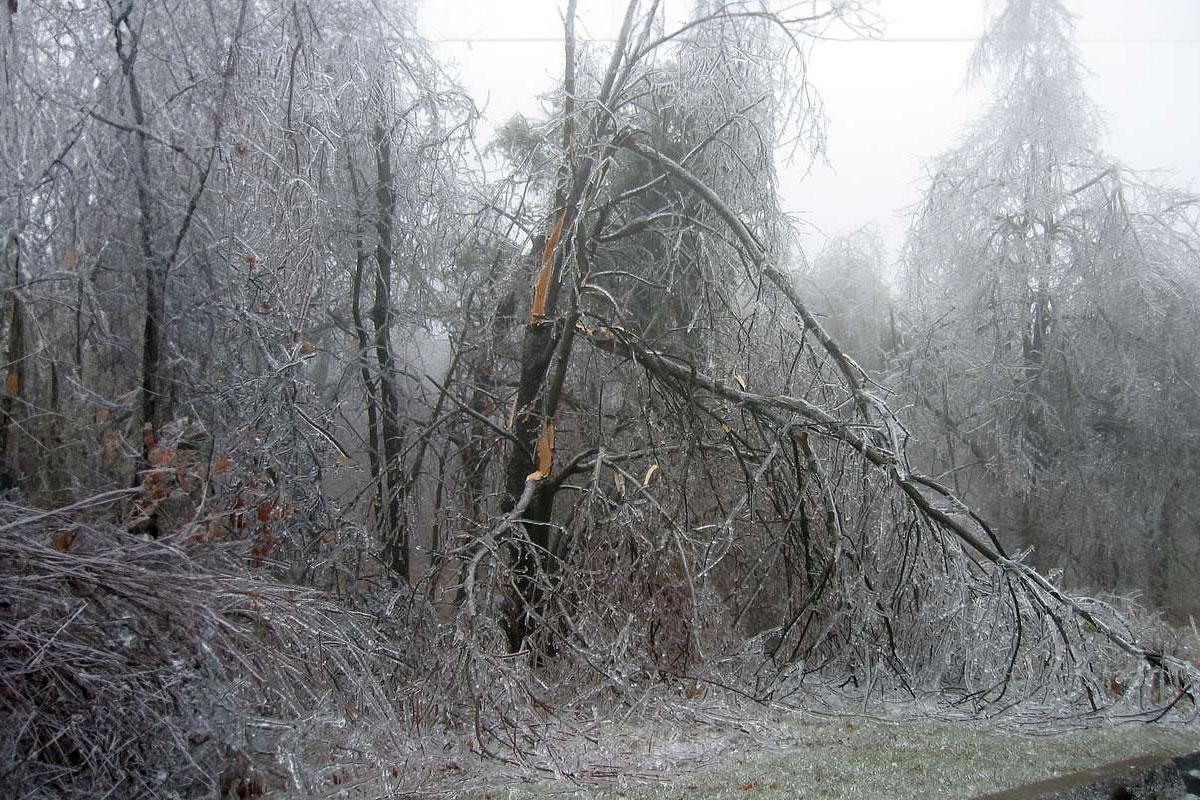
{"type": "Point", "coordinates": [891, 103]}
{"type": "Point", "coordinates": [356, 444]}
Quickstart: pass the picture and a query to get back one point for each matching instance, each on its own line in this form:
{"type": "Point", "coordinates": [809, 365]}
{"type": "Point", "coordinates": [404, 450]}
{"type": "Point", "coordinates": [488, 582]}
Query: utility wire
{"type": "Point", "coordinates": [857, 40]}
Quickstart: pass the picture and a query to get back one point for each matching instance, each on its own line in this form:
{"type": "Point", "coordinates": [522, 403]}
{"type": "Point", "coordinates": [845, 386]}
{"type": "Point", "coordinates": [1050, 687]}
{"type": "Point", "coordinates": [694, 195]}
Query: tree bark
{"type": "Point", "coordinates": [537, 351]}
{"type": "Point", "coordinates": [153, 270]}
{"type": "Point", "coordinates": [14, 382]}
{"type": "Point", "coordinates": [547, 339]}
{"type": "Point", "coordinates": [370, 394]}
{"type": "Point", "coordinates": [396, 545]}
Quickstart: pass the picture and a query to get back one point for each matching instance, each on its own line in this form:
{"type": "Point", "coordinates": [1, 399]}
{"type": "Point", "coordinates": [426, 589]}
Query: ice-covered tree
{"type": "Point", "coordinates": [1039, 276]}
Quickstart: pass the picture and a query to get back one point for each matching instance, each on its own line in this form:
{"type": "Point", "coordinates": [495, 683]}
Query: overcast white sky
{"type": "Point", "coordinates": [891, 105]}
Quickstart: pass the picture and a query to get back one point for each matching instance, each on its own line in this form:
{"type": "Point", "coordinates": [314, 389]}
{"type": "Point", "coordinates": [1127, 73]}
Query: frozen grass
{"type": "Point", "coordinates": [840, 759]}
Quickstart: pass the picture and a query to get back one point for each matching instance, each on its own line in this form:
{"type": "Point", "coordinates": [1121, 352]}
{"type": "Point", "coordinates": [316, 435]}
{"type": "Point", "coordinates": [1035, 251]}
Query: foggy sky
{"type": "Point", "coordinates": [891, 105]}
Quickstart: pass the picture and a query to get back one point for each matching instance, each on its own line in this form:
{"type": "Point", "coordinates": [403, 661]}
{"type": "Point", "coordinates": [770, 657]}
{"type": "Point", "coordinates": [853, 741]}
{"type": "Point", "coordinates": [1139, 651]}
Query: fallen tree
{"type": "Point", "coordinates": [889, 572]}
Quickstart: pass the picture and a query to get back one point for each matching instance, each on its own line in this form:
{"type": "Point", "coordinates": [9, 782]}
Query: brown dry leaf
{"type": "Point", "coordinates": [161, 456]}
{"type": "Point", "coordinates": [307, 348]}
{"type": "Point", "coordinates": [110, 443]}
{"type": "Point", "coordinates": [12, 384]}
{"type": "Point", "coordinates": [260, 551]}
{"type": "Point", "coordinates": [649, 474]}
{"type": "Point", "coordinates": [148, 438]}
{"type": "Point", "coordinates": [103, 415]}
{"type": "Point", "coordinates": [64, 540]}
{"type": "Point", "coordinates": [541, 290]}
{"type": "Point", "coordinates": [264, 511]}
{"type": "Point", "coordinates": [71, 259]}
{"type": "Point", "coordinates": [222, 465]}
{"type": "Point", "coordinates": [154, 488]}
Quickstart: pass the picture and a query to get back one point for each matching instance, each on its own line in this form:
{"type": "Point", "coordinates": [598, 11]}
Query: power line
{"type": "Point", "coordinates": [859, 40]}
{"type": "Point", "coordinates": [976, 40]}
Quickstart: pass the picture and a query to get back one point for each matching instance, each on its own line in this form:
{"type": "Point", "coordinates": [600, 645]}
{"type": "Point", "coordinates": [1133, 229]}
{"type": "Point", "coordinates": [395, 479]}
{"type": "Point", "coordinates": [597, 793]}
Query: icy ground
{"type": "Point", "coordinates": [839, 758]}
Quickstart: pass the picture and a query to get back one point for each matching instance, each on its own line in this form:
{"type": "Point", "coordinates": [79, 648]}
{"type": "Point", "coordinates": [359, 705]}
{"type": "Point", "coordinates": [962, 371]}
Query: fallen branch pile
{"type": "Point", "coordinates": [127, 669]}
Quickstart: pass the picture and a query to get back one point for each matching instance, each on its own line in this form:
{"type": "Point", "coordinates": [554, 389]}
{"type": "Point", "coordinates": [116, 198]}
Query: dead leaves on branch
{"type": "Point", "coordinates": [225, 499]}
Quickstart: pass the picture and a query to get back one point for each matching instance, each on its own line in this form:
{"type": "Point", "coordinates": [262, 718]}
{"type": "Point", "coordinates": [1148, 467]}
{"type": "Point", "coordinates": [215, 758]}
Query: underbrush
{"type": "Point", "coordinates": [132, 667]}
{"type": "Point", "coordinates": [129, 670]}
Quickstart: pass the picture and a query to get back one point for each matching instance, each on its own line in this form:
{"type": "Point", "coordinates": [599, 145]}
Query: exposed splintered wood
{"type": "Point", "coordinates": [541, 286]}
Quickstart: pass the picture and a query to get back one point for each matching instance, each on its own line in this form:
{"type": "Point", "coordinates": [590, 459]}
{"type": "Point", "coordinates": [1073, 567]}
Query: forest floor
{"type": "Point", "coordinates": [840, 757]}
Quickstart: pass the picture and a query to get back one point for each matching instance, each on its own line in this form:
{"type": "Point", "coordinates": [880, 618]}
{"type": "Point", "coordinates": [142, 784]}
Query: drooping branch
{"type": "Point", "coordinates": [892, 461]}
{"type": "Point", "coordinates": [754, 249]}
